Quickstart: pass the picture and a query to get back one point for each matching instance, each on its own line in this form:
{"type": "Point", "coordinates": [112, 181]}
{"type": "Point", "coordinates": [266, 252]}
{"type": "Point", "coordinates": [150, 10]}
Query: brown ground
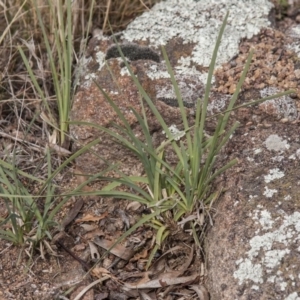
{"type": "Point", "coordinates": [62, 274]}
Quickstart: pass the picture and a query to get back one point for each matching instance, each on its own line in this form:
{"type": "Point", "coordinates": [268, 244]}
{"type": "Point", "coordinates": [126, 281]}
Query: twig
{"type": "Point", "coordinates": [82, 262]}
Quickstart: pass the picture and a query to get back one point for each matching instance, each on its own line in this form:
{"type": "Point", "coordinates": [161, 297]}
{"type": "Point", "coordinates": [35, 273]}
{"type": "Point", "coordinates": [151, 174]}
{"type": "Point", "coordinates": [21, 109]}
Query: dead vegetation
{"type": "Point", "coordinates": [23, 126]}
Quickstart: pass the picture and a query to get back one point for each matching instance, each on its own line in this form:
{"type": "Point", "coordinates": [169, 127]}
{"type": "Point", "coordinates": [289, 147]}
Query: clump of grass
{"type": "Point", "coordinates": [27, 221]}
{"type": "Point", "coordinates": [61, 60]}
{"type": "Point", "coordinates": [176, 193]}
{"type": "Point", "coordinates": [31, 214]}
{"type": "Point", "coordinates": [46, 34]}
{"type": "Point", "coordinates": [173, 192]}
{"type": "Point", "coordinates": [61, 16]}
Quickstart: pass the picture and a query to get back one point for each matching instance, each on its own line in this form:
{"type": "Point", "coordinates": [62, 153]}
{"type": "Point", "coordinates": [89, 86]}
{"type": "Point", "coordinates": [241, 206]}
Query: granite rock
{"type": "Point", "coordinates": [253, 247]}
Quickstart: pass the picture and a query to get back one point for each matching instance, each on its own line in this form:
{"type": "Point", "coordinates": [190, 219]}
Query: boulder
{"type": "Point", "coordinates": [253, 248]}
{"type": "Point", "coordinates": [188, 30]}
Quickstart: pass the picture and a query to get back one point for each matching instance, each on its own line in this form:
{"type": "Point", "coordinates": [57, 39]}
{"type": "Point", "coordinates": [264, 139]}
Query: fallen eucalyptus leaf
{"type": "Point", "coordinates": [166, 280]}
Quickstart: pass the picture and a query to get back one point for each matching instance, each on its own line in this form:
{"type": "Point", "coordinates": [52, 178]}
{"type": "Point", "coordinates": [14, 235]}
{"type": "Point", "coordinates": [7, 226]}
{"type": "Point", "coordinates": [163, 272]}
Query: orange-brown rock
{"type": "Point", "coordinates": [253, 247]}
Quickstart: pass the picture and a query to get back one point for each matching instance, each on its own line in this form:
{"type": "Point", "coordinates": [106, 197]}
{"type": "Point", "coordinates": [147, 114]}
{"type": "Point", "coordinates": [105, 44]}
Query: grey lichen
{"type": "Point", "coordinates": [199, 23]}
{"type": "Point", "coordinates": [276, 143]}
{"type": "Point", "coordinates": [284, 106]}
{"type": "Point", "coordinates": [190, 89]}
{"type": "Point", "coordinates": [268, 248]}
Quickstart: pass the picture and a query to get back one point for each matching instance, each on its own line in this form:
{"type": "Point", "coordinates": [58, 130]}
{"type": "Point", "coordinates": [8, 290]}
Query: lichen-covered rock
{"type": "Point", "coordinates": [254, 244]}
{"type": "Point", "coordinates": [188, 30]}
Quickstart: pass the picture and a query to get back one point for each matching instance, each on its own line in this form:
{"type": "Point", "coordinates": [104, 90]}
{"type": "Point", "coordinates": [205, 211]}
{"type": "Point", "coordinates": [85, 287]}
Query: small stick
{"type": "Point", "coordinates": [82, 262]}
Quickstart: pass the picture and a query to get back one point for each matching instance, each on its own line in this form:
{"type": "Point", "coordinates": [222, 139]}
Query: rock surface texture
{"type": "Point", "coordinates": [253, 249]}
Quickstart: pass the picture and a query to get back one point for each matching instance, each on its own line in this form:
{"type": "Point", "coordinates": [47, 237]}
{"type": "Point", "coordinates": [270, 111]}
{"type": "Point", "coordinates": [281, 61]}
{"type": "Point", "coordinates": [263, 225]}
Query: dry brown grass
{"type": "Point", "coordinates": [21, 127]}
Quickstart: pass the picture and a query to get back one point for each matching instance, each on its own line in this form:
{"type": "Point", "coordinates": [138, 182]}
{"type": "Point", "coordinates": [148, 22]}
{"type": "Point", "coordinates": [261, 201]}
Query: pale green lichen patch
{"type": "Point", "coordinates": [273, 174]}
{"type": "Point", "coordinates": [176, 133]}
{"type": "Point", "coordinates": [265, 220]}
{"type": "Point", "coordinates": [284, 106]}
{"type": "Point", "coordinates": [268, 248]}
{"type": "Point", "coordinates": [100, 58]}
{"type": "Point", "coordinates": [293, 296]}
{"type": "Point", "coordinates": [269, 192]}
{"type": "Point", "coordinates": [218, 105]}
{"type": "Point", "coordinates": [272, 247]}
{"type": "Point", "coordinates": [89, 77]}
{"type": "Point", "coordinates": [154, 71]}
{"type": "Point", "coordinates": [287, 197]}
{"type": "Point", "coordinates": [248, 271]}
{"type": "Point", "coordinates": [276, 143]}
{"type": "Point", "coordinates": [294, 32]}
{"type": "Point", "coordinates": [198, 23]}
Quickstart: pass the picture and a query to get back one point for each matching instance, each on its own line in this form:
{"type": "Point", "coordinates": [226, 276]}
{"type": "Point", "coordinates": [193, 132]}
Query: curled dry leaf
{"type": "Point", "coordinates": [133, 205]}
{"type": "Point", "coordinates": [144, 275]}
{"type": "Point", "coordinates": [91, 218]}
{"type": "Point", "coordinates": [73, 212]}
{"type": "Point", "coordinates": [166, 279]}
{"type": "Point", "coordinates": [160, 264]}
{"type": "Point", "coordinates": [201, 291]}
{"type": "Point", "coordinates": [79, 247]}
{"type": "Point", "coordinates": [59, 150]}
{"type": "Point", "coordinates": [101, 272]}
{"type": "Point", "coordinates": [87, 288]}
{"type": "Point", "coordinates": [187, 219]}
{"type": "Point", "coordinates": [147, 296]}
{"type": "Point", "coordinates": [88, 227]}
{"type": "Point", "coordinates": [139, 255]}
{"type": "Point", "coordinates": [86, 293]}
{"type": "Point", "coordinates": [185, 266]}
{"type": "Point", "coordinates": [90, 235]}
{"type": "Point", "coordinates": [119, 250]}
